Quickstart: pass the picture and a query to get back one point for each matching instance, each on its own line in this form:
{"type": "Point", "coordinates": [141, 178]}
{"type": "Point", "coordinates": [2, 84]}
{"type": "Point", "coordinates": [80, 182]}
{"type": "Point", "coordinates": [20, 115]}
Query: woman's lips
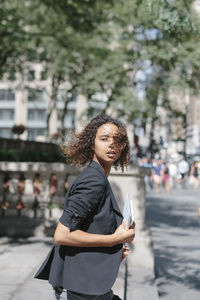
{"type": "Point", "coordinates": [111, 154]}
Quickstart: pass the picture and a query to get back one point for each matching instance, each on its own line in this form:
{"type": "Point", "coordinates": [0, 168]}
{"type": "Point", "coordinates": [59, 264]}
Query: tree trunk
{"type": "Point", "coordinates": [53, 99]}
{"type": "Point", "coordinates": [63, 114]}
{"type": "Point", "coordinates": [62, 120]}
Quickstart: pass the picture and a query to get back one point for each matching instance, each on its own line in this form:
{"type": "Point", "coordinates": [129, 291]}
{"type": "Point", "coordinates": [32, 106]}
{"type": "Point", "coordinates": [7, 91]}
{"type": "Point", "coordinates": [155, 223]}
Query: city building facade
{"type": "Point", "coordinates": [25, 100]}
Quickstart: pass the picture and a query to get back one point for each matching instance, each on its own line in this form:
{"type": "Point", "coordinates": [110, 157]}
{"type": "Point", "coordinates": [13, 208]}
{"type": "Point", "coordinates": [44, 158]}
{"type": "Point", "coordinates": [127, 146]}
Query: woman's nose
{"type": "Point", "coordinates": [111, 143]}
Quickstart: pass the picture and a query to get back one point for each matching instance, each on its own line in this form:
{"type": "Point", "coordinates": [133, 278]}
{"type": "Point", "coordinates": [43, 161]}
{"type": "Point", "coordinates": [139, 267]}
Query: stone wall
{"type": "Point", "coordinates": [131, 182]}
{"type": "Point", "coordinates": [31, 145]}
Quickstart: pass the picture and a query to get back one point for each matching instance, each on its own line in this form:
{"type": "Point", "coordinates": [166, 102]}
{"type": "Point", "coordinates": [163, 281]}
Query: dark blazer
{"type": "Point", "coordinates": [89, 206]}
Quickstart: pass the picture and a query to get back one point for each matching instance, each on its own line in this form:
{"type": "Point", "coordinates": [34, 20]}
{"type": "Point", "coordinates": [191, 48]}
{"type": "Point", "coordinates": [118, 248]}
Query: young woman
{"type": "Point", "coordinates": [157, 172]}
{"type": "Point", "coordinates": [194, 173]}
{"type": "Point", "coordinates": [84, 262]}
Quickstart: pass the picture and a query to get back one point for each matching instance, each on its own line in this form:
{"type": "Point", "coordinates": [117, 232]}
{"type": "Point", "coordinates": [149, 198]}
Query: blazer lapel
{"type": "Point", "coordinates": [95, 165]}
{"type": "Point", "coordinates": [114, 202]}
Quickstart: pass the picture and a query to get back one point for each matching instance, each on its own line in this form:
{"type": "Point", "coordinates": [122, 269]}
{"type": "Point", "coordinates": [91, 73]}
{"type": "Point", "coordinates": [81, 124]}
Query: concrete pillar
{"type": "Point", "coordinates": [21, 114]}
{"type": "Point", "coordinates": [131, 182]}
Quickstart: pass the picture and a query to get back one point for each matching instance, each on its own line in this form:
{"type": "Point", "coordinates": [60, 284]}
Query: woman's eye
{"type": "Point", "coordinates": [103, 139]}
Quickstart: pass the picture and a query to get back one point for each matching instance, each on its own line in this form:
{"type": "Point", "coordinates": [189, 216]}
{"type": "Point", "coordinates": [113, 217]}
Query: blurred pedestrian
{"type": "Point", "coordinates": [194, 173]}
{"type": "Point", "coordinates": [53, 185]}
{"type": "Point", "coordinates": [166, 177]}
{"type": "Point", "coordinates": [173, 173]}
{"type": "Point", "coordinates": [37, 184]}
{"type": "Point", "coordinates": [146, 163]}
{"type": "Point", "coordinates": [84, 262]}
{"type": "Point", "coordinates": [157, 174]}
{"type": "Point", "coordinates": [183, 168]}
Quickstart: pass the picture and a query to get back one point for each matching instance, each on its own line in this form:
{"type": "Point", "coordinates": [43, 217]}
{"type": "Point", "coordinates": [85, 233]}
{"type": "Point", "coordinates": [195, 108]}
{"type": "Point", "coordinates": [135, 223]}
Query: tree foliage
{"type": "Point", "coordinates": [162, 58]}
{"type": "Point", "coordinates": [133, 52]}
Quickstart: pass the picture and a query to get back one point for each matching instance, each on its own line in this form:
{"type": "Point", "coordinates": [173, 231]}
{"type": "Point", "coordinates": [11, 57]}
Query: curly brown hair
{"type": "Point", "coordinates": [79, 150]}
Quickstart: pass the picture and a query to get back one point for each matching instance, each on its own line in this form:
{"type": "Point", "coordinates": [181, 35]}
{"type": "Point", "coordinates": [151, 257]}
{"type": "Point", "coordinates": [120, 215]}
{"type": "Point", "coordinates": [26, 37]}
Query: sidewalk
{"type": "Point", "coordinates": [18, 262]}
{"type": "Point", "coordinates": [20, 259]}
{"type": "Point", "coordinates": [141, 278]}
{"type": "Point", "coordinates": [174, 221]}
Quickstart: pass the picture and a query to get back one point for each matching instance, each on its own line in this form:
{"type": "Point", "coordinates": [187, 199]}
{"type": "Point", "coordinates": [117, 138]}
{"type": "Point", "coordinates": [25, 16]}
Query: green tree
{"type": "Point", "coordinates": [133, 52]}
{"type": "Point", "coordinates": [12, 34]}
{"type": "Point", "coordinates": [62, 42]}
{"type": "Point", "coordinates": [161, 32]}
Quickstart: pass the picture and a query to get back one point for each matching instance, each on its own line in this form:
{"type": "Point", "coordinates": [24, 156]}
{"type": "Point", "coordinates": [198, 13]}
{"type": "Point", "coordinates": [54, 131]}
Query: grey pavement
{"type": "Point", "coordinates": [175, 226]}
{"type": "Point", "coordinates": [141, 278]}
{"type": "Point", "coordinates": [20, 258]}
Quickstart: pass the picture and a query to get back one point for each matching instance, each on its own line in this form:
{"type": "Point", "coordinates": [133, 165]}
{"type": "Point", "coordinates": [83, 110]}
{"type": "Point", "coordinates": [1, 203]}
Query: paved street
{"type": "Point", "coordinates": [19, 260]}
{"type": "Point", "coordinates": [175, 226]}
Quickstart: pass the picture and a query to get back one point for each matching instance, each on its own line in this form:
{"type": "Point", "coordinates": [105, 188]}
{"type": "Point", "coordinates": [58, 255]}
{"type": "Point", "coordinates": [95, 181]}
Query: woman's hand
{"type": "Point", "coordinates": [125, 252]}
{"type": "Point", "coordinates": [124, 235]}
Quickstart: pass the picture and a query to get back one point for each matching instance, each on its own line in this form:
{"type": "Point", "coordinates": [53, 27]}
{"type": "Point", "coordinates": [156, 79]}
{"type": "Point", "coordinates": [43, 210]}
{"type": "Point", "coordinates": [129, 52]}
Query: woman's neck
{"type": "Point", "coordinates": [105, 166]}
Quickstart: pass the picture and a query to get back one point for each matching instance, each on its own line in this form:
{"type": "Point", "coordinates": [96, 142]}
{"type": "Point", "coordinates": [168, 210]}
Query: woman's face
{"type": "Point", "coordinates": [105, 147]}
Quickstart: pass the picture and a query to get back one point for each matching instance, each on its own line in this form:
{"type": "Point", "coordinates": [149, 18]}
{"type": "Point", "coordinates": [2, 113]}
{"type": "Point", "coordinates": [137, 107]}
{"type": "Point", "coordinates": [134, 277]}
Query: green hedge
{"type": "Point", "coordinates": [32, 156]}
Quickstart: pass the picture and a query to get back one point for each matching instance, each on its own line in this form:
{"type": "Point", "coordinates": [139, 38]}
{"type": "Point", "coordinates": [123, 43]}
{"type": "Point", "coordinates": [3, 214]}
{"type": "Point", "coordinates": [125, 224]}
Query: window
{"type": "Point", "coordinates": [7, 95]}
{"type": "Point", "coordinates": [64, 95]}
{"type": "Point", "coordinates": [6, 114]}
{"type": "Point", "coordinates": [31, 75]}
{"type": "Point", "coordinates": [36, 95]}
{"type": "Point", "coordinates": [36, 115]}
{"type": "Point", "coordinates": [43, 75]}
{"type": "Point", "coordinates": [6, 133]}
{"type": "Point", "coordinates": [33, 133]}
{"type": "Point", "coordinates": [41, 115]}
{"type": "Point", "coordinates": [31, 115]}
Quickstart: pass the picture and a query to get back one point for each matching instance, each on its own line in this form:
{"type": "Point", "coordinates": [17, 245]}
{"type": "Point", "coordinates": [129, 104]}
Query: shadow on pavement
{"type": "Point", "coordinates": [174, 223]}
{"type": "Point", "coordinates": [7, 242]}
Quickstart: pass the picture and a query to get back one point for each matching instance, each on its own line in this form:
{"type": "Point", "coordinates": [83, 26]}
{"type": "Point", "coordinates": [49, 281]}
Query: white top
{"type": "Point", "coordinates": [183, 166]}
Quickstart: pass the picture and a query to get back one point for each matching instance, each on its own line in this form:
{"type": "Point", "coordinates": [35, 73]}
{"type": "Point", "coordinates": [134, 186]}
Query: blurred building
{"type": "Point", "coordinates": [193, 114]}
{"type": "Point", "coordinates": [177, 132]}
{"type": "Point", "coordinates": [182, 132]}
{"type": "Point", "coordinates": [26, 99]}
{"type": "Point", "coordinates": [196, 5]}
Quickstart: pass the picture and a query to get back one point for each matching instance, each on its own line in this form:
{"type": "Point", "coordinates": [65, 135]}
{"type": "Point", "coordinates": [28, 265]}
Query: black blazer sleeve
{"type": "Point", "coordinates": [84, 198]}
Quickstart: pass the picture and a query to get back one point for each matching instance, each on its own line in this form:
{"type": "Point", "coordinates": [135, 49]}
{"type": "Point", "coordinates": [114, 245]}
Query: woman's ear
{"type": "Point", "coordinates": [92, 147]}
